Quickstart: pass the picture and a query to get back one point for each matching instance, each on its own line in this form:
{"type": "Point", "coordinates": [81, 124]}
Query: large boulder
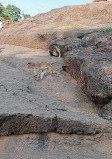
{"type": "Point", "coordinates": [90, 64]}
{"type": "Point", "coordinates": [60, 46]}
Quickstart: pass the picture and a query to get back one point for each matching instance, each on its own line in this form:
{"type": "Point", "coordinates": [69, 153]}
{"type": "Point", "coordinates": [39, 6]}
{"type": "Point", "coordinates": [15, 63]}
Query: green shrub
{"type": "Point", "coordinates": [107, 29]}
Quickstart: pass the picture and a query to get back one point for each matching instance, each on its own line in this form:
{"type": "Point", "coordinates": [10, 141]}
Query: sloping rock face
{"type": "Point", "coordinates": [90, 64]}
{"type": "Point", "coordinates": [99, 0]}
{"type": "Point", "coordinates": [40, 30]}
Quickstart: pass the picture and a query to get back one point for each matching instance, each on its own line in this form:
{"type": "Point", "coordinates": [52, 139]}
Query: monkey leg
{"type": "Point", "coordinates": [51, 70]}
{"type": "Point", "coordinates": [42, 74]}
{"type": "Point", "coordinates": [35, 72]}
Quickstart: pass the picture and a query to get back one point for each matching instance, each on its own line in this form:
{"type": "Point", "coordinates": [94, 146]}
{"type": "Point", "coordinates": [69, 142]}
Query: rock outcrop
{"type": "Point", "coordinates": [40, 30]}
{"type": "Point", "coordinates": [59, 47]}
{"type": "Point", "coordinates": [101, 0]}
{"type": "Point", "coordinates": [106, 112]}
{"type": "Point", "coordinates": [67, 123]}
{"type": "Point", "coordinates": [90, 63]}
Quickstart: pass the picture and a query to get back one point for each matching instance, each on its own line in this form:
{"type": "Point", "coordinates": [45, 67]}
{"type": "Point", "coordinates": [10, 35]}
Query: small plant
{"type": "Point", "coordinates": [107, 29]}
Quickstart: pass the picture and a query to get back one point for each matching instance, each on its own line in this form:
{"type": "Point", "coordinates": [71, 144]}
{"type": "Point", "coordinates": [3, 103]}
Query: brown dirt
{"type": "Point", "coordinates": [38, 31]}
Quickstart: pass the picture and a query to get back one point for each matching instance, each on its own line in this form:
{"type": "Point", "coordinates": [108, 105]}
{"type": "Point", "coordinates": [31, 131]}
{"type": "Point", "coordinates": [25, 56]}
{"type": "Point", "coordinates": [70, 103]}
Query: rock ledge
{"type": "Point", "coordinates": [67, 123]}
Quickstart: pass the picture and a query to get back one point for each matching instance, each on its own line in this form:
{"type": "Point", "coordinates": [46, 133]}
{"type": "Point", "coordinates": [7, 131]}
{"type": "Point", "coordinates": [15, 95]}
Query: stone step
{"type": "Point", "coordinates": [65, 123]}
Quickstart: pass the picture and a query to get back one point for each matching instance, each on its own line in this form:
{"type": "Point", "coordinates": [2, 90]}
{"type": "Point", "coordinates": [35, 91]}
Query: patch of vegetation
{"type": "Point", "coordinates": [107, 29]}
{"type": "Point", "coordinates": [73, 26]}
{"type": "Point", "coordinates": [11, 13]}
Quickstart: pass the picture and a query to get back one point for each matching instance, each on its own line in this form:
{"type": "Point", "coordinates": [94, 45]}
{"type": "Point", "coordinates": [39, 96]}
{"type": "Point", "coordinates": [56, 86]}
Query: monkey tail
{"type": "Point", "coordinates": [57, 49]}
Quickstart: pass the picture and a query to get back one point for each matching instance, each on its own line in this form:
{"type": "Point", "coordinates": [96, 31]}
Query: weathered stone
{"type": "Point", "coordinates": [92, 66]}
{"type": "Point", "coordinates": [59, 47]}
{"type": "Point", "coordinates": [11, 124]}
{"type": "Point", "coordinates": [95, 38]}
{"type": "Point", "coordinates": [56, 146]}
{"type": "Point", "coordinates": [66, 122]}
{"type": "Point", "coordinates": [106, 111]}
{"type": "Point", "coordinates": [99, 0]}
{"type": "Point", "coordinates": [81, 123]}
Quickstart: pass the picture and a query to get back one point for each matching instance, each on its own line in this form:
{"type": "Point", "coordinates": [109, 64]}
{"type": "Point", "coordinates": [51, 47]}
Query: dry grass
{"type": "Point", "coordinates": [73, 26]}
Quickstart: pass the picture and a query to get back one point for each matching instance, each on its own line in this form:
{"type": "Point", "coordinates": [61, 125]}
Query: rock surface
{"type": "Point", "coordinates": [16, 124]}
{"type": "Point", "coordinates": [81, 123]}
{"type": "Point", "coordinates": [57, 104]}
{"type": "Point", "coordinates": [90, 63]}
{"type": "Point", "coordinates": [40, 30]}
{"type": "Point", "coordinates": [99, 0]}
{"type": "Point", "coordinates": [65, 123]}
{"type": "Point", "coordinates": [106, 112]}
{"type": "Point", "coordinates": [54, 146]}
{"type": "Point", "coordinates": [52, 104]}
{"type": "Point", "coordinates": [59, 47]}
